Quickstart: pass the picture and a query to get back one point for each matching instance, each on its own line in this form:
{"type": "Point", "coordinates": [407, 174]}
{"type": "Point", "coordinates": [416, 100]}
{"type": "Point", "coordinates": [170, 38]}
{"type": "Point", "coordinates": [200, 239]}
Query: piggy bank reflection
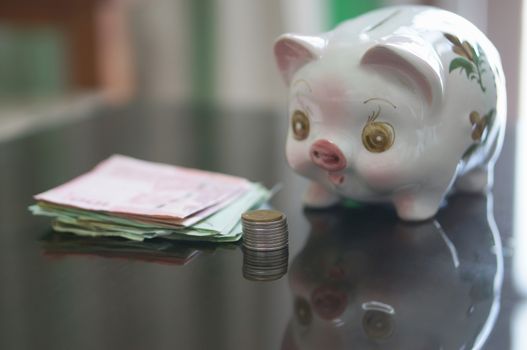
{"type": "Point", "coordinates": [399, 105]}
{"type": "Point", "coordinates": [366, 280]}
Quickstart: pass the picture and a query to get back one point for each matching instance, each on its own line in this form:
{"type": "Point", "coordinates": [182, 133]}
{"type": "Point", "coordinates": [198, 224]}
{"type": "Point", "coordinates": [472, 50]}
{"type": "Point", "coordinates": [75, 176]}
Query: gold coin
{"type": "Point", "coordinates": [263, 216]}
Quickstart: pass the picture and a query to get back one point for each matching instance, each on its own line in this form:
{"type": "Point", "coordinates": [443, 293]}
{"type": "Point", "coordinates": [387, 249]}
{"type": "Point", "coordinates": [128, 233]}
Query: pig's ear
{"type": "Point", "coordinates": [416, 60]}
{"type": "Point", "coordinates": [294, 51]}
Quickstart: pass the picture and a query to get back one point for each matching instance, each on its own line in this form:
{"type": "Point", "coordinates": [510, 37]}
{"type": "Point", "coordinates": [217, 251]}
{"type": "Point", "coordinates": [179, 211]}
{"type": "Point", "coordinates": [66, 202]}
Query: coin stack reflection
{"type": "Point", "coordinates": [265, 265]}
{"type": "Point", "coordinates": [264, 230]}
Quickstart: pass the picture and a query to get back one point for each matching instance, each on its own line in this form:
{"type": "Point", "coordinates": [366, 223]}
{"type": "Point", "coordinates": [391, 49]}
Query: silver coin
{"type": "Point", "coordinates": [262, 266]}
{"type": "Point", "coordinates": [253, 273]}
{"type": "Point", "coordinates": [265, 246]}
{"type": "Point", "coordinates": [265, 234]}
{"type": "Point", "coordinates": [264, 223]}
{"type": "Point", "coordinates": [266, 231]}
{"type": "Point", "coordinates": [258, 275]}
{"type": "Point", "coordinates": [278, 239]}
{"type": "Point", "coordinates": [264, 228]}
{"type": "Point", "coordinates": [264, 263]}
{"type": "Point", "coordinates": [265, 278]}
{"type": "Point", "coordinates": [266, 267]}
{"type": "Point", "coordinates": [264, 243]}
{"type": "Point", "coordinates": [266, 255]}
{"type": "Point", "coordinates": [262, 239]}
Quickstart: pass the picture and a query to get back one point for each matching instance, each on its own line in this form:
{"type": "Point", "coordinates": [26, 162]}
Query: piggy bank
{"type": "Point", "coordinates": [399, 105]}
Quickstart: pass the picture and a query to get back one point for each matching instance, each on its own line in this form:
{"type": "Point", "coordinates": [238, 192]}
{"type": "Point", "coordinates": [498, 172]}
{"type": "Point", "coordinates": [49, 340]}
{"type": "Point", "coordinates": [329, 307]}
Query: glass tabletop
{"type": "Point", "coordinates": [352, 276]}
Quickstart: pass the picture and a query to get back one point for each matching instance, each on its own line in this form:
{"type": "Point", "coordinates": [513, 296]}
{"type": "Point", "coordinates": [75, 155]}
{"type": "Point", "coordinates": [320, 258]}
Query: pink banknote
{"type": "Point", "coordinates": [135, 187]}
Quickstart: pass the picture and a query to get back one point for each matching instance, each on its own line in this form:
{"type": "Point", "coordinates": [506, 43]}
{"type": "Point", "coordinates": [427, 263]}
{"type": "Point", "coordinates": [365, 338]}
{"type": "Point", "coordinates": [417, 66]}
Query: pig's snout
{"type": "Point", "coordinates": [327, 156]}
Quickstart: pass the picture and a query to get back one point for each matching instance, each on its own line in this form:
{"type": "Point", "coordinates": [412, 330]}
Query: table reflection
{"type": "Point", "coordinates": [366, 280]}
{"type": "Point", "coordinates": [265, 266]}
{"type": "Point", "coordinates": [261, 266]}
{"type": "Point", "coordinates": [62, 245]}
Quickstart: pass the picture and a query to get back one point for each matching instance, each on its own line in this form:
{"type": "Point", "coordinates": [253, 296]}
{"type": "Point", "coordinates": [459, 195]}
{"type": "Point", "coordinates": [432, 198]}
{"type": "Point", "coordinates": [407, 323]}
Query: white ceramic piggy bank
{"type": "Point", "coordinates": [398, 105]}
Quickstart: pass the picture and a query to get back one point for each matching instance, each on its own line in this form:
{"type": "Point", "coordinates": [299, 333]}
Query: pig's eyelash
{"type": "Point", "coordinates": [304, 82]}
{"type": "Point", "coordinates": [300, 101]}
{"type": "Point", "coordinates": [374, 115]}
{"type": "Point", "coordinates": [309, 114]}
{"type": "Point", "coordinates": [308, 110]}
{"type": "Point", "coordinates": [299, 92]}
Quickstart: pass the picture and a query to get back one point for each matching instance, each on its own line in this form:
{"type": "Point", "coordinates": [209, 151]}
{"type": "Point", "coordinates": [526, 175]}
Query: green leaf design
{"type": "Point", "coordinates": [471, 59]}
{"type": "Point", "coordinates": [471, 52]}
{"type": "Point", "coordinates": [462, 64]}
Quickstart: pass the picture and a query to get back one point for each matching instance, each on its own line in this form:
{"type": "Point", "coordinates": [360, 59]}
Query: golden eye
{"type": "Point", "coordinates": [300, 125]}
{"type": "Point", "coordinates": [378, 137]}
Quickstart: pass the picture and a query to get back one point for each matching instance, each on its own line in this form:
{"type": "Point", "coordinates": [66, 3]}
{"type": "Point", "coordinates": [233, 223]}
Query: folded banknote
{"type": "Point", "coordinates": [137, 200]}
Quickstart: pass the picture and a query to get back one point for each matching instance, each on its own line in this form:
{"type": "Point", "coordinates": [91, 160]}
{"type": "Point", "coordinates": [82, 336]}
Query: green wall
{"type": "Point", "coordinates": [340, 10]}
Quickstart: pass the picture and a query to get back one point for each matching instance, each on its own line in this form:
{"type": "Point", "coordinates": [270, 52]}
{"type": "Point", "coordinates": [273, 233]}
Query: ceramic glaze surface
{"type": "Point", "coordinates": [399, 105]}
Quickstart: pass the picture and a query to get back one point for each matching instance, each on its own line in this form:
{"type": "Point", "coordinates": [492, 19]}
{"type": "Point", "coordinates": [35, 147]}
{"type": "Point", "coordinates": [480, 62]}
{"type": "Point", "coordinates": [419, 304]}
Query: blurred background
{"type": "Point", "coordinates": [211, 52]}
{"type": "Point", "coordinates": [62, 61]}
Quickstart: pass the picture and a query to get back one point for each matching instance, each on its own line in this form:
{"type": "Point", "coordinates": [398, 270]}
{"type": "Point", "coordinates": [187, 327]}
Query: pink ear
{"type": "Point", "coordinates": [413, 60]}
{"type": "Point", "coordinates": [294, 51]}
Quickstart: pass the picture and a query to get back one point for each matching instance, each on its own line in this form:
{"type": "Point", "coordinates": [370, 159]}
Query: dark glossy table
{"type": "Point", "coordinates": [358, 278]}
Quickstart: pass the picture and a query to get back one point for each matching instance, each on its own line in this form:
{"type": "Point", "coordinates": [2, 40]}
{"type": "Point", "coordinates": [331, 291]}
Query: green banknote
{"type": "Point", "coordinates": [222, 226]}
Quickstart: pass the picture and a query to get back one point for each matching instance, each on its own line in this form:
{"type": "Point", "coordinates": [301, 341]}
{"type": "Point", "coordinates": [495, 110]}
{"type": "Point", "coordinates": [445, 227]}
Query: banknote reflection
{"type": "Point", "coordinates": [61, 245]}
{"type": "Point", "coordinates": [366, 280]}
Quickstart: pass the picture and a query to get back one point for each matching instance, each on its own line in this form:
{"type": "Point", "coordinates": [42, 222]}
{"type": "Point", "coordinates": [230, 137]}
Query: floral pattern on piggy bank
{"type": "Point", "coordinates": [399, 105]}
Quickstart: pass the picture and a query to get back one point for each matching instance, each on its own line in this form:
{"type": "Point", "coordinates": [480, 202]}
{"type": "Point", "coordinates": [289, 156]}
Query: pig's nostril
{"type": "Point", "coordinates": [327, 156]}
{"type": "Point", "coordinates": [330, 159]}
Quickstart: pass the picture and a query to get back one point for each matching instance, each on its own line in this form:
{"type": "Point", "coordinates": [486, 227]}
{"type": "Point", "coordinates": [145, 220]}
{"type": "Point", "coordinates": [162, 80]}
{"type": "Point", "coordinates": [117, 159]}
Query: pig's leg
{"type": "Point", "coordinates": [477, 180]}
{"type": "Point", "coordinates": [317, 196]}
{"type": "Point", "coordinates": [418, 206]}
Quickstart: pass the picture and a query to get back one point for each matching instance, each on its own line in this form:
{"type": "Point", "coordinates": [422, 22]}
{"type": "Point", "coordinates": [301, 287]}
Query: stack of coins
{"type": "Point", "coordinates": [264, 230]}
{"type": "Point", "coordinates": [265, 265]}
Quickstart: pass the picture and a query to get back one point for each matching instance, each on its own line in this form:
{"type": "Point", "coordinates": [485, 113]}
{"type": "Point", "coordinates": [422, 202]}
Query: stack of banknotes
{"type": "Point", "coordinates": [137, 200]}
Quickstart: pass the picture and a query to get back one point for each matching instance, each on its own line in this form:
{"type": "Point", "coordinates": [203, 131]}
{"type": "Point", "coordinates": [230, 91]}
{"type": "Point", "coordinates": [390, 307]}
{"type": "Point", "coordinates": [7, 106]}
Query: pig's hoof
{"type": "Point", "coordinates": [477, 180]}
{"type": "Point", "coordinates": [412, 208]}
{"type": "Point", "coordinates": [317, 196]}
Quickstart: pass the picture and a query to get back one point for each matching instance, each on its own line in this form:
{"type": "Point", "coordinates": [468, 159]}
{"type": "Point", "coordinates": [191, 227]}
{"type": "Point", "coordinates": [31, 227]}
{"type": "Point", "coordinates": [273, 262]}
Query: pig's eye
{"type": "Point", "coordinates": [378, 137]}
{"type": "Point", "coordinates": [300, 125]}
